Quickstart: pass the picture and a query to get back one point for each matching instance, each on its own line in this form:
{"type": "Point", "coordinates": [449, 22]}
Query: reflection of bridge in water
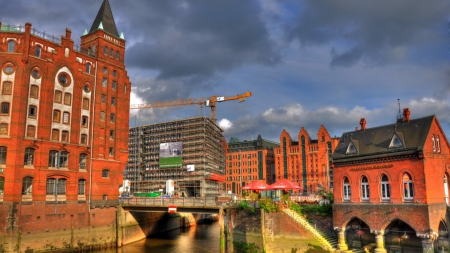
{"type": "Point", "coordinates": [184, 205]}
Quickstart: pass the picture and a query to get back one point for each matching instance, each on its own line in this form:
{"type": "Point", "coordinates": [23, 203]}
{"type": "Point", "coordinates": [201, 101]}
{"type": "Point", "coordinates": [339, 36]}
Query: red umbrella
{"type": "Point", "coordinates": [256, 185]}
{"type": "Point", "coordinates": [283, 184]}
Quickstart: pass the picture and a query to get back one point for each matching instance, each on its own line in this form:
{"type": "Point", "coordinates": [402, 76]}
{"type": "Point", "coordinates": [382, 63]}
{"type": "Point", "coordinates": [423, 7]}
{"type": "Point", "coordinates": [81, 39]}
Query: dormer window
{"type": "Point", "coordinates": [351, 149]}
{"type": "Point", "coordinates": [396, 142]}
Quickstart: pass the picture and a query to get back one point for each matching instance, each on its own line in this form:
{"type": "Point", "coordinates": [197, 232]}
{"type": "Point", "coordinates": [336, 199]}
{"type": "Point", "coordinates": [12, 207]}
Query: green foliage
{"type": "Point", "coordinates": [268, 205]}
{"type": "Point", "coordinates": [244, 205]}
{"type": "Point", "coordinates": [326, 194]}
{"type": "Point", "coordinates": [322, 210]}
{"type": "Point", "coordinates": [254, 196]}
{"type": "Point", "coordinates": [242, 247]}
{"type": "Point", "coordinates": [294, 250]}
{"type": "Point", "coordinates": [295, 207]}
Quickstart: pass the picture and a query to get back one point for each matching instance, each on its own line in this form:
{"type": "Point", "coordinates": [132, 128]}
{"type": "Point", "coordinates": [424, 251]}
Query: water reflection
{"type": "Point", "coordinates": [203, 238]}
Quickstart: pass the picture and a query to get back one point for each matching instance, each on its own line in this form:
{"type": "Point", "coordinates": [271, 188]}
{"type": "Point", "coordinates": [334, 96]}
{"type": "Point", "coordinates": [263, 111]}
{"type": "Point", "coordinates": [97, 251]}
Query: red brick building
{"type": "Point", "coordinates": [248, 161]}
{"type": "Point", "coordinates": [391, 186]}
{"type": "Point", "coordinates": [63, 127]}
{"type": "Point", "coordinates": [306, 162]}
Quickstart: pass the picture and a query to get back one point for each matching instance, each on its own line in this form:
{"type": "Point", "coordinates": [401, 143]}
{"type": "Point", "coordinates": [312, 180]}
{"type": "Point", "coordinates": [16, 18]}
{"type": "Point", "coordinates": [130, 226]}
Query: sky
{"type": "Point", "coordinates": [307, 63]}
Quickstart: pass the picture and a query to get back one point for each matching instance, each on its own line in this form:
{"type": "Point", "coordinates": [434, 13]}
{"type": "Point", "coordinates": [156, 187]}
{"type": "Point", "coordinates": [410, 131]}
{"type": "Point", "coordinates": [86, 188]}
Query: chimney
{"type": "Point", "coordinates": [406, 114]}
{"type": "Point", "coordinates": [356, 128]}
{"type": "Point", "coordinates": [363, 122]}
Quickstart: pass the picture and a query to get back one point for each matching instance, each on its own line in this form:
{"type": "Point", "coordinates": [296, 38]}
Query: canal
{"type": "Point", "coordinates": [203, 238]}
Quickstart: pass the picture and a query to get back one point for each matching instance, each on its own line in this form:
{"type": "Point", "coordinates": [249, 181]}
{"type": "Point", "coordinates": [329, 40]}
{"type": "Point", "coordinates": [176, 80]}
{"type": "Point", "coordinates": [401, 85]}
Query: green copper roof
{"type": "Point", "coordinates": [105, 20]}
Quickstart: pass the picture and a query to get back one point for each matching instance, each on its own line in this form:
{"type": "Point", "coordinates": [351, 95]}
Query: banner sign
{"type": "Point", "coordinates": [171, 155]}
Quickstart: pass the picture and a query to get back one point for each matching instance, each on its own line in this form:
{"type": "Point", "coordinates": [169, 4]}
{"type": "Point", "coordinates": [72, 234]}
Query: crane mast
{"type": "Point", "coordinates": [210, 102]}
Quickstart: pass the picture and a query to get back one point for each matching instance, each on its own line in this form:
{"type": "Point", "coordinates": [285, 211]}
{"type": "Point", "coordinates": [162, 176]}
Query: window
{"type": "Point", "coordinates": [105, 197]}
{"type": "Point", "coordinates": [11, 45]}
{"type": "Point", "coordinates": [37, 51]}
{"type": "Point", "coordinates": [87, 88]}
{"type": "Point", "coordinates": [112, 118]}
{"type": "Point", "coordinates": [3, 151]}
{"type": "Point", "coordinates": [111, 52]}
{"type": "Point", "coordinates": [105, 173]}
{"type": "Point", "coordinates": [124, 89]}
{"type": "Point", "coordinates": [3, 129]}
{"type": "Point", "coordinates": [2, 185]}
{"type": "Point", "coordinates": [66, 118]}
{"type": "Point", "coordinates": [111, 151]}
{"type": "Point", "coordinates": [103, 98]}
{"type": "Point", "coordinates": [84, 121]}
{"type": "Point", "coordinates": [433, 141]}
{"type": "Point", "coordinates": [29, 157]}
{"type": "Point", "coordinates": [111, 134]}
{"type": "Point", "coordinates": [67, 98]}
{"type": "Point", "coordinates": [55, 135]}
{"type": "Point", "coordinates": [6, 89]}
{"type": "Point", "coordinates": [36, 73]}
{"type": "Point", "coordinates": [114, 85]}
{"type": "Point", "coordinates": [117, 55]}
{"type": "Point", "coordinates": [347, 192]}
{"type": "Point", "coordinates": [86, 103]}
{"type": "Point", "coordinates": [82, 161]}
{"type": "Point", "coordinates": [65, 136]}
{"type": "Point", "coordinates": [113, 101]}
{"type": "Point", "coordinates": [9, 70]}
{"type": "Point", "coordinates": [104, 82]}
{"type": "Point", "coordinates": [64, 79]}
{"type": "Point", "coordinates": [58, 159]}
{"type": "Point", "coordinates": [438, 144]}
{"type": "Point", "coordinates": [408, 187]}
{"type": "Point", "coordinates": [88, 68]}
{"type": "Point", "coordinates": [31, 131]}
{"type": "Point", "coordinates": [5, 108]}
{"type": "Point", "coordinates": [32, 111]}
{"type": "Point", "coordinates": [58, 96]}
{"type": "Point", "coordinates": [27, 186]}
{"type": "Point", "coordinates": [56, 186]}
{"type": "Point", "coordinates": [81, 186]}
{"type": "Point", "coordinates": [114, 73]}
{"type": "Point", "coordinates": [385, 188]}
{"type": "Point", "coordinates": [365, 194]}
{"type": "Point", "coordinates": [105, 50]}
{"type": "Point", "coordinates": [56, 116]}
{"type": "Point", "coordinates": [34, 91]}
{"type": "Point", "coordinates": [105, 70]}
{"type": "Point", "coordinates": [83, 139]}
{"type": "Point", "coordinates": [102, 116]}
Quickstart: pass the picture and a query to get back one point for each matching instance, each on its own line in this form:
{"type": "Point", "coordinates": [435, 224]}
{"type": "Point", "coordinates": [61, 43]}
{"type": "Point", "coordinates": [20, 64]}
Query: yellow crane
{"type": "Point", "coordinates": [210, 102]}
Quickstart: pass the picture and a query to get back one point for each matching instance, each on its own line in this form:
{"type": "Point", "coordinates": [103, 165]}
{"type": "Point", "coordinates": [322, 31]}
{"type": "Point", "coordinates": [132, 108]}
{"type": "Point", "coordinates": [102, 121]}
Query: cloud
{"type": "Point", "coordinates": [225, 124]}
{"type": "Point", "coordinates": [373, 32]}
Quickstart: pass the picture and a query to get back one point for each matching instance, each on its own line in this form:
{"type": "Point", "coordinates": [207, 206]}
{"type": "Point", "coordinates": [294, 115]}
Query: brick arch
{"type": "Point", "coordinates": [345, 223]}
{"type": "Point", "coordinates": [403, 171]}
{"type": "Point", "coordinates": [385, 172]}
{"type": "Point", "coordinates": [363, 174]}
{"type": "Point", "coordinates": [345, 174]}
{"type": "Point", "coordinates": [385, 224]}
{"type": "Point", "coordinates": [58, 175]}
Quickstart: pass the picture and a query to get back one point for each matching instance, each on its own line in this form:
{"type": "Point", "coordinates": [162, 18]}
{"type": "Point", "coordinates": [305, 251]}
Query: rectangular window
{"type": "Point", "coordinates": [58, 96]}
{"type": "Point", "coordinates": [113, 101]}
{"type": "Point", "coordinates": [5, 108]}
{"type": "Point", "coordinates": [385, 190]}
{"type": "Point", "coordinates": [29, 156]}
{"type": "Point", "coordinates": [83, 139]}
{"type": "Point", "coordinates": [81, 186]}
{"type": "Point", "coordinates": [55, 135]}
{"type": "Point", "coordinates": [6, 90]}
{"type": "Point", "coordinates": [111, 151]}
{"type": "Point", "coordinates": [111, 134]}
{"type": "Point", "coordinates": [51, 182]}
{"type": "Point", "coordinates": [31, 131]}
{"type": "Point", "coordinates": [56, 116]}
{"type": "Point", "coordinates": [66, 118]}
{"type": "Point", "coordinates": [114, 85]}
{"type": "Point", "coordinates": [103, 98]}
{"type": "Point", "coordinates": [27, 186]}
{"type": "Point", "coordinates": [56, 186]}
{"type": "Point", "coordinates": [104, 82]}
{"type": "Point", "coordinates": [105, 173]}
{"type": "Point", "coordinates": [67, 98]}
{"type": "Point", "coordinates": [85, 103]}
{"type": "Point", "coordinates": [65, 136]}
{"type": "Point", "coordinates": [102, 116]}
{"type": "Point", "coordinates": [112, 118]}
{"type": "Point", "coordinates": [125, 89]}
{"type": "Point", "coordinates": [34, 91]}
{"type": "Point", "coordinates": [84, 121]}
{"type": "Point", "coordinates": [32, 111]}
{"type": "Point", "coordinates": [347, 192]}
{"type": "Point", "coordinates": [82, 162]}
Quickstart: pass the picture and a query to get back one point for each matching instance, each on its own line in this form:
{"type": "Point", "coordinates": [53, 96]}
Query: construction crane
{"type": "Point", "coordinates": [210, 102]}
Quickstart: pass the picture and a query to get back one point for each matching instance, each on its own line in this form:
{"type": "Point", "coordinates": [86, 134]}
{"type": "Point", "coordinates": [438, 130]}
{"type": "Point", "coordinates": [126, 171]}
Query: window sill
{"type": "Point", "coordinates": [28, 166]}
{"type": "Point", "coordinates": [54, 168]}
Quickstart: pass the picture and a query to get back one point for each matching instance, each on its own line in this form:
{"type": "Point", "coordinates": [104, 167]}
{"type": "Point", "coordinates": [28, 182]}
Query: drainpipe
{"type": "Point", "coordinates": [92, 137]}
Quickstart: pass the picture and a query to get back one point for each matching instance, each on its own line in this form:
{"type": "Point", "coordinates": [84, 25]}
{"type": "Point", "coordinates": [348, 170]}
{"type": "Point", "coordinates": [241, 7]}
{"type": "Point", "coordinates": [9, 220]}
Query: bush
{"type": "Point", "coordinates": [323, 210]}
{"type": "Point", "coordinates": [268, 205]}
{"type": "Point", "coordinates": [242, 247]}
{"type": "Point", "coordinates": [246, 206]}
{"type": "Point", "coordinates": [295, 207]}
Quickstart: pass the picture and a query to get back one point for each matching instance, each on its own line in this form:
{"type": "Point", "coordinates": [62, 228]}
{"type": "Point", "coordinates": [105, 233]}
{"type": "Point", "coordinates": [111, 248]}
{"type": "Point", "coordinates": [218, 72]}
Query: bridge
{"type": "Point", "coordinates": [208, 205]}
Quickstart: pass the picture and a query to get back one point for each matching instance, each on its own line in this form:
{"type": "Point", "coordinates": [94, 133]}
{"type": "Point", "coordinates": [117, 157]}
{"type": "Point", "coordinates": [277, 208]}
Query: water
{"type": "Point", "coordinates": [203, 238]}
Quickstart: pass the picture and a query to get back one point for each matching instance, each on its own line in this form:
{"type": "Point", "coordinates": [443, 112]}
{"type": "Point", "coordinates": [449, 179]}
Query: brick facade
{"type": "Point", "coordinates": [62, 148]}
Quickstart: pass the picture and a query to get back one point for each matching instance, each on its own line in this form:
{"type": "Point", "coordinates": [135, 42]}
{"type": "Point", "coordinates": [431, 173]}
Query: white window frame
{"type": "Point", "coordinates": [385, 189]}
{"type": "Point", "coordinates": [408, 188]}
{"type": "Point", "coordinates": [347, 191]}
{"type": "Point", "coordinates": [365, 192]}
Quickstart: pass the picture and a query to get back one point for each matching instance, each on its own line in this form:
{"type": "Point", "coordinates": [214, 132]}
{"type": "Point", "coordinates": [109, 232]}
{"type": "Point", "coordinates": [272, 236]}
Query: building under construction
{"type": "Point", "coordinates": [183, 157]}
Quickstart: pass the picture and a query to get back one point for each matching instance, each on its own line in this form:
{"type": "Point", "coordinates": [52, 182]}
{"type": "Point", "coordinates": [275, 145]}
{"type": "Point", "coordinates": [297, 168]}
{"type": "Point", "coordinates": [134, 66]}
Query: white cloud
{"type": "Point", "coordinates": [225, 124]}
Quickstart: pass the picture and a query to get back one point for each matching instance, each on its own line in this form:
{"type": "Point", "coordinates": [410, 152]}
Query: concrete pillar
{"type": "Point", "coordinates": [341, 238]}
{"type": "Point", "coordinates": [427, 244]}
{"type": "Point", "coordinates": [379, 240]}
{"type": "Point", "coordinates": [222, 231]}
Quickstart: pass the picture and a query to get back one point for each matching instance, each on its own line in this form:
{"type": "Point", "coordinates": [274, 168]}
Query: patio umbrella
{"type": "Point", "coordinates": [283, 184]}
{"type": "Point", "coordinates": [256, 185]}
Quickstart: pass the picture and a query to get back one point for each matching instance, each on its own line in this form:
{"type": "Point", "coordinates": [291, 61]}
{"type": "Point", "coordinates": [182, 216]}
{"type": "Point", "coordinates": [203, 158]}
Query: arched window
{"type": "Point", "coordinates": [365, 193]}
{"type": "Point", "coordinates": [27, 185]}
{"type": "Point", "coordinates": [433, 141]}
{"type": "Point", "coordinates": [88, 68]}
{"type": "Point", "coordinates": [29, 157]}
{"type": "Point", "coordinates": [408, 187]}
{"type": "Point", "coordinates": [347, 192]}
{"type": "Point", "coordinates": [11, 45]}
{"type": "Point", "coordinates": [105, 50]}
{"type": "Point", "coordinates": [56, 186]}
{"type": "Point", "coordinates": [37, 51]}
{"type": "Point", "coordinates": [58, 159]}
{"type": "Point", "coordinates": [438, 144]}
{"type": "Point", "coordinates": [385, 188]}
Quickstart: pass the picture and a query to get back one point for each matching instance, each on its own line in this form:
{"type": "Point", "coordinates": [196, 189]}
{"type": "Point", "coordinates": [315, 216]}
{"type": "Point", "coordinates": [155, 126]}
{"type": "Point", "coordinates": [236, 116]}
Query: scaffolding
{"type": "Point", "coordinates": [201, 146]}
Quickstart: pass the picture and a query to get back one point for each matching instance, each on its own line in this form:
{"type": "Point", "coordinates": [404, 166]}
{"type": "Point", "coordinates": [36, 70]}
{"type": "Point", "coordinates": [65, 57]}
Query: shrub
{"type": "Point", "coordinates": [242, 247]}
{"type": "Point", "coordinates": [268, 205]}
{"type": "Point", "coordinates": [246, 206]}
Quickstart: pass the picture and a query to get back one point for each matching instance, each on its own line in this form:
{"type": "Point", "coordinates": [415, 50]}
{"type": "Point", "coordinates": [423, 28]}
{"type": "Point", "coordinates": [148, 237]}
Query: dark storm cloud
{"type": "Point", "coordinates": [372, 31]}
{"type": "Point", "coordinates": [199, 37]}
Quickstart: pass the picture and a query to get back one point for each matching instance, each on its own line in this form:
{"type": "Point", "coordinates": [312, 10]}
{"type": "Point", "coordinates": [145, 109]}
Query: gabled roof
{"type": "Point", "coordinates": [105, 20]}
{"type": "Point", "coordinates": [373, 142]}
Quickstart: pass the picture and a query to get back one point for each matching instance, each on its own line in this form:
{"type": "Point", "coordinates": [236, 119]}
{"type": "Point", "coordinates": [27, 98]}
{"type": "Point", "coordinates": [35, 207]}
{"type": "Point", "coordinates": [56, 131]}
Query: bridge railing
{"type": "Point", "coordinates": [195, 202]}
